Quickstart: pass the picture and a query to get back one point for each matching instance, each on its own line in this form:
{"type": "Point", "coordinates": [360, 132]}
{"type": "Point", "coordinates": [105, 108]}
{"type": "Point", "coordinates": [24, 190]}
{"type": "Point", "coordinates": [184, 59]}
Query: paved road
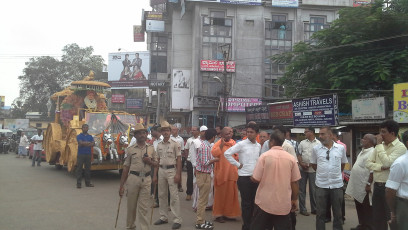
{"type": "Point", "coordinates": [45, 198]}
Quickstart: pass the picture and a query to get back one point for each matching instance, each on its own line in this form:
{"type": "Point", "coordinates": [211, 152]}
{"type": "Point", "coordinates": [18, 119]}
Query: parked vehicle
{"type": "Point", "coordinates": [31, 152]}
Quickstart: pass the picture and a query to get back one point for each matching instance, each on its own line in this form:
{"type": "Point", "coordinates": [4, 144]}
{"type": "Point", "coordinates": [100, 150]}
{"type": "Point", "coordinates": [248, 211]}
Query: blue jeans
{"type": "Point", "coordinates": [336, 197]}
{"type": "Point", "coordinates": [312, 190]}
{"type": "Point", "coordinates": [37, 157]}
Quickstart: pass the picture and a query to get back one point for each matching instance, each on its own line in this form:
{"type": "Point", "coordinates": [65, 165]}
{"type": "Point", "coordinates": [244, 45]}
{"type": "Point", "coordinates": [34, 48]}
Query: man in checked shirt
{"type": "Point", "coordinates": [204, 167]}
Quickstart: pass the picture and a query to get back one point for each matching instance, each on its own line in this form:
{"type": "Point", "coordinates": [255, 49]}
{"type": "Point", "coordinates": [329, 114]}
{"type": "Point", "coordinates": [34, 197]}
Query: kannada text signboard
{"type": "Point", "coordinates": [216, 66]}
{"type": "Point", "coordinates": [281, 113]}
{"type": "Point", "coordinates": [259, 114]}
{"type": "Point", "coordinates": [401, 103]}
{"type": "Point", "coordinates": [315, 111]}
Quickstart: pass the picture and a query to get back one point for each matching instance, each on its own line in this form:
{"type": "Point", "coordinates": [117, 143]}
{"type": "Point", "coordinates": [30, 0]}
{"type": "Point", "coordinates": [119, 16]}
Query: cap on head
{"type": "Point", "coordinates": [165, 125]}
{"type": "Point", "coordinates": [139, 127]}
{"type": "Point", "coordinates": [203, 128]}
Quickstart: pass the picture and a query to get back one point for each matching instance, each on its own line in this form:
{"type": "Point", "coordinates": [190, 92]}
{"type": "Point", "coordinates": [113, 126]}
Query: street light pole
{"type": "Point", "coordinates": [225, 107]}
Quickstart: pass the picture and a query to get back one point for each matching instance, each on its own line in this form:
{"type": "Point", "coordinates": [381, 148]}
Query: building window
{"type": "Point", "coordinates": [207, 120]}
{"type": "Point", "coordinates": [158, 51]}
{"type": "Point", "coordinates": [216, 32]}
{"type": "Point", "coordinates": [278, 39]}
{"type": "Point", "coordinates": [316, 24]}
{"type": "Point", "coordinates": [211, 87]}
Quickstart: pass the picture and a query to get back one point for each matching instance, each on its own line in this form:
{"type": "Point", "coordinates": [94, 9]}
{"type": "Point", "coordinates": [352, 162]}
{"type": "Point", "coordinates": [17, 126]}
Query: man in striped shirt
{"type": "Point", "coordinates": [204, 167]}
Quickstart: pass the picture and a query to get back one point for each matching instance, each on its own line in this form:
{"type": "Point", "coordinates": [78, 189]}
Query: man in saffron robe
{"type": "Point", "coordinates": [226, 204]}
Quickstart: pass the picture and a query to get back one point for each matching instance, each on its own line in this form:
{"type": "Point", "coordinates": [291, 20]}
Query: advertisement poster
{"type": "Point", "coordinates": [14, 124]}
{"type": "Point", "coordinates": [315, 111]}
{"type": "Point", "coordinates": [238, 104]}
{"type": "Point", "coordinates": [129, 70]}
{"type": "Point", "coordinates": [2, 101]}
{"type": "Point", "coordinates": [138, 34]}
{"type": "Point", "coordinates": [368, 108]}
{"type": "Point", "coordinates": [154, 26]}
{"type": "Point", "coordinates": [285, 3]}
{"type": "Point", "coordinates": [259, 114]}
{"type": "Point", "coordinates": [180, 90]}
{"type": "Point", "coordinates": [361, 3]}
{"type": "Point", "coordinates": [401, 103]}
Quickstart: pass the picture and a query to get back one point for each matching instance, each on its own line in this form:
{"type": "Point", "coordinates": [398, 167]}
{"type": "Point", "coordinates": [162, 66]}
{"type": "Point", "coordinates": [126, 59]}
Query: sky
{"type": "Point", "coordinates": [43, 27]}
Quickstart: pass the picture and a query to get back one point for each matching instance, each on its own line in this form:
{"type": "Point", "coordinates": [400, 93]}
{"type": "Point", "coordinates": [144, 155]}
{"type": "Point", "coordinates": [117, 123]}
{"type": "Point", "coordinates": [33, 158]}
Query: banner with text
{"type": "Point", "coordinates": [401, 103]}
{"type": "Point", "coordinates": [259, 114]}
{"type": "Point", "coordinates": [134, 103]}
{"type": "Point", "coordinates": [238, 104]}
{"type": "Point", "coordinates": [118, 98]}
{"type": "Point", "coordinates": [216, 66]}
{"type": "Point", "coordinates": [138, 34]}
{"type": "Point", "coordinates": [285, 3]}
{"type": "Point", "coordinates": [281, 113]}
{"type": "Point", "coordinates": [368, 108]}
{"type": "Point", "coordinates": [315, 111]}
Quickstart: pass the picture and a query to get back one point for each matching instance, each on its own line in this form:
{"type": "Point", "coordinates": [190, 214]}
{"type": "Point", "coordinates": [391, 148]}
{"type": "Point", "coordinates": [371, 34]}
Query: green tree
{"type": "Point", "coordinates": [364, 52]}
{"type": "Point", "coordinates": [44, 76]}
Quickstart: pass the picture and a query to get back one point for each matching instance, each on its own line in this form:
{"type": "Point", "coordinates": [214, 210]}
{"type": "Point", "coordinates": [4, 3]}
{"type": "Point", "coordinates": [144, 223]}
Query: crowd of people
{"type": "Point", "coordinates": [270, 172]}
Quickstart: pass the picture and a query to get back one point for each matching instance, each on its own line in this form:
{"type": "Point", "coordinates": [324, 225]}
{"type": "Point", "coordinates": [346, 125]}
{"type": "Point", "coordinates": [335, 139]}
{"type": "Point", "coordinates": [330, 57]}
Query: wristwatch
{"type": "Point", "coordinates": [368, 183]}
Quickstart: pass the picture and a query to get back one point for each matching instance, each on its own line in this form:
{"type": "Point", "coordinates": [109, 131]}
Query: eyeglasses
{"type": "Point", "coordinates": [328, 155]}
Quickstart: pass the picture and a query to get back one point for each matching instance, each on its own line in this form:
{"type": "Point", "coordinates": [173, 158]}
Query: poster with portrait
{"type": "Point", "coordinates": [129, 69]}
{"type": "Point", "coordinates": [180, 90]}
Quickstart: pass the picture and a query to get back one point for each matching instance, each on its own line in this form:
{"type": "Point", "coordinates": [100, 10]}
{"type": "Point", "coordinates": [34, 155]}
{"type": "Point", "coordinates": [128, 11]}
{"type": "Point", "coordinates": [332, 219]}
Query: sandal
{"type": "Point", "coordinates": [208, 223]}
{"type": "Point", "coordinates": [203, 226]}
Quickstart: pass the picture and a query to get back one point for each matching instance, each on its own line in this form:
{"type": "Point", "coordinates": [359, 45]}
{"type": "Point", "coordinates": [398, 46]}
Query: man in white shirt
{"type": "Point", "coordinates": [175, 137]}
{"type": "Point", "coordinates": [328, 160]}
{"type": "Point", "coordinates": [190, 152]}
{"type": "Point", "coordinates": [22, 146]}
{"type": "Point", "coordinates": [248, 153]}
{"type": "Point", "coordinates": [396, 191]}
{"type": "Point", "coordinates": [287, 146]}
{"type": "Point", "coordinates": [157, 137]}
{"type": "Point", "coordinates": [359, 185]}
{"type": "Point", "coordinates": [37, 140]}
{"type": "Point", "coordinates": [305, 149]}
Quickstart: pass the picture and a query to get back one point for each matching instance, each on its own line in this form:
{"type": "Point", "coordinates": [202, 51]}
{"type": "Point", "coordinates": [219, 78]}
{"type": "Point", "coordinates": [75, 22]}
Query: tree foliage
{"type": "Point", "coordinates": [364, 52]}
{"type": "Point", "coordinates": [44, 76]}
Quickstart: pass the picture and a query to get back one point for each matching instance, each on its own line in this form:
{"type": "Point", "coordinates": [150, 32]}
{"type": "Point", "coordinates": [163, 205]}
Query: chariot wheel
{"type": "Point", "coordinates": [53, 134]}
{"type": "Point", "coordinates": [71, 149]}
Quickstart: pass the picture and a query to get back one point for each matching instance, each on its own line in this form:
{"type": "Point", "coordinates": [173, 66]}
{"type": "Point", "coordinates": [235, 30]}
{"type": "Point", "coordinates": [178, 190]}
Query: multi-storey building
{"type": "Point", "coordinates": [197, 33]}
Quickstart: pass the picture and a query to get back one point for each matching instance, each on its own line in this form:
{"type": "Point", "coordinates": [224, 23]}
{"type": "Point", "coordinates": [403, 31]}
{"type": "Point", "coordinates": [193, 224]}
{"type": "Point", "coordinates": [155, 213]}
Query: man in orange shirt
{"type": "Point", "coordinates": [226, 204]}
{"type": "Point", "coordinates": [277, 174]}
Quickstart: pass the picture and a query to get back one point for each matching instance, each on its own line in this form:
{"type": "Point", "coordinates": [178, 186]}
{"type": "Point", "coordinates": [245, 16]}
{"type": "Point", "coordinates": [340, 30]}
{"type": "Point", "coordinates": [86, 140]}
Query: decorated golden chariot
{"type": "Point", "coordinates": [84, 102]}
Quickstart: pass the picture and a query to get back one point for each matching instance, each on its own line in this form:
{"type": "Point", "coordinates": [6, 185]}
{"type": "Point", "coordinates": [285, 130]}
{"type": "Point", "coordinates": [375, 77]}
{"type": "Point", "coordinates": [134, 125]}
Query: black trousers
{"type": "Point", "coordinates": [381, 211]}
{"type": "Point", "coordinates": [343, 208]}
{"type": "Point", "coordinates": [189, 182]}
{"type": "Point", "coordinates": [263, 220]}
{"type": "Point", "coordinates": [247, 189]}
{"type": "Point", "coordinates": [83, 165]}
{"type": "Point", "coordinates": [364, 212]}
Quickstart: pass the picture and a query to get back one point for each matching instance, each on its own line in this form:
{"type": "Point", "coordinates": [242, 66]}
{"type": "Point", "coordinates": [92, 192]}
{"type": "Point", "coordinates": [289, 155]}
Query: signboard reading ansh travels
{"type": "Point", "coordinates": [315, 111]}
{"type": "Point", "coordinates": [216, 66]}
{"type": "Point", "coordinates": [259, 114]}
{"type": "Point", "coordinates": [401, 103]}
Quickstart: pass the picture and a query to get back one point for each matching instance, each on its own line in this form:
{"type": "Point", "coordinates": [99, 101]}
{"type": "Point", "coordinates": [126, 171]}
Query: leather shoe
{"type": "Point", "coordinates": [220, 219]}
{"type": "Point", "coordinates": [176, 226]}
{"type": "Point", "coordinates": [90, 185]}
{"type": "Point", "coordinates": [305, 213]}
{"type": "Point", "coordinates": [188, 197]}
{"type": "Point", "coordinates": [78, 185]}
{"type": "Point", "coordinates": [160, 221]}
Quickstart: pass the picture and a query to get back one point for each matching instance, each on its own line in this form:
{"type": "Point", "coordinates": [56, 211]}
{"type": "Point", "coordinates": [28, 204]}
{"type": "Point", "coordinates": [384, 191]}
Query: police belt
{"type": "Point", "coordinates": [167, 166]}
{"type": "Point", "coordinates": [140, 174]}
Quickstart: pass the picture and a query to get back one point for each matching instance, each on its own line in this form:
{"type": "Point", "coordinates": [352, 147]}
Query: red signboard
{"type": "Point", "coordinates": [118, 98]}
{"type": "Point", "coordinates": [281, 111]}
{"type": "Point", "coordinates": [216, 66]}
{"type": "Point", "coordinates": [138, 34]}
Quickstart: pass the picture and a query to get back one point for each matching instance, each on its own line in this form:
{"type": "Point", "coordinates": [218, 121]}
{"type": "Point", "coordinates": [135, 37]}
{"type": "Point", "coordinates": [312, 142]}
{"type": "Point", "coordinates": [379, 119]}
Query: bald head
{"type": "Point", "coordinates": [227, 133]}
{"type": "Point", "coordinates": [369, 140]}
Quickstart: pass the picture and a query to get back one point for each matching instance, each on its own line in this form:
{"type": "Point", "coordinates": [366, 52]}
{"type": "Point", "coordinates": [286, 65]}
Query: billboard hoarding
{"type": "Point", "coordinates": [238, 104]}
{"type": "Point", "coordinates": [315, 111]}
{"type": "Point", "coordinates": [154, 26]}
{"type": "Point", "coordinates": [151, 15]}
{"type": "Point", "coordinates": [15, 124]}
{"type": "Point", "coordinates": [368, 108]}
{"type": "Point", "coordinates": [281, 113]}
{"type": "Point", "coordinates": [129, 70]}
{"type": "Point", "coordinates": [259, 114]}
{"type": "Point", "coordinates": [401, 103]}
{"type": "Point", "coordinates": [285, 3]}
{"type": "Point", "coordinates": [180, 89]}
{"type": "Point", "coordinates": [138, 34]}
{"type": "Point", "coordinates": [2, 101]}
{"type": "Point", "coordinates": [357, 3]}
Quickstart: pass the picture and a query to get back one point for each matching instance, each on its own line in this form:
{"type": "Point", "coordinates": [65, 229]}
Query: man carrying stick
{"type": "Point", "coordinates": [136, 174]}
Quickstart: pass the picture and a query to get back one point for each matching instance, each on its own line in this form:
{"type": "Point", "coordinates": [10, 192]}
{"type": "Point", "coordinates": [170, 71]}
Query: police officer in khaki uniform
{"type": "Point", "coordinates": [136, 174]}
{"type": "Point", "coordinates": [169, 176]}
